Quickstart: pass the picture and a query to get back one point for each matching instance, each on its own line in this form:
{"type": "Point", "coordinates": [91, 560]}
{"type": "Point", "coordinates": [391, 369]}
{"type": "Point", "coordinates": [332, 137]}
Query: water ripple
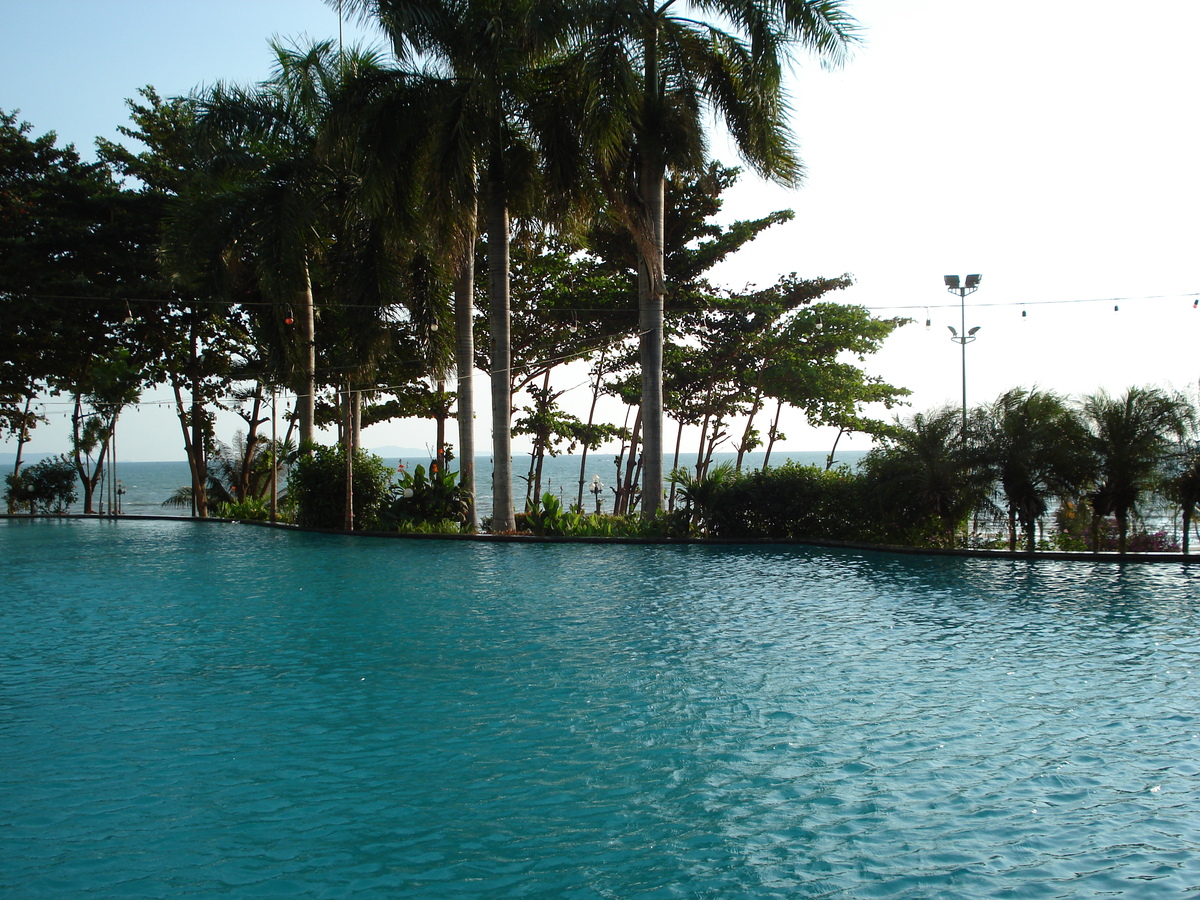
{"type": "Point", "coordinates": [195, 710]}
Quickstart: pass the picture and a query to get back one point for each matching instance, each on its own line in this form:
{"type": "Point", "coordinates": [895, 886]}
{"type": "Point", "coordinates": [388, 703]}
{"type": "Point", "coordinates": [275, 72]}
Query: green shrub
{"type": "Point", "coordinates": [252, 509]}
{"type": "Point", "coordinates": [317, 486]}
{"type": "Point", "coordinates": [790, 501]}
{"type": "Point", "coordinates": [47, 486]}
{"type": "Point", "coordinates": [426, 498]}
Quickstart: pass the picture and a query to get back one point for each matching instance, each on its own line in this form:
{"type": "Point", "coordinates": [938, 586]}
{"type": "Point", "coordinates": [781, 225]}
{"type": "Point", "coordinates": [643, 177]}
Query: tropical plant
{"type": "Point", "coordinates": [1034, 446]}
{"type": "Point", "coordinates": [46, 486]}
{"type": "Point", "coordinates": [425, 497]}
{"type": "Point", "coordinates": [1182, 486]}
{"type": "Point", "coordinates": [1132, 437]}
{"type": "Point", "coordinates": [923, 478]}
{"type": "Point", "coordinates": [653, 67]}
{"type": "Point", "coordinates": [316, 487]}
{"type": "Point", "coordinates": [499, 122]}
{"type": "Point", "coordinates": [190, 338]}
{"type": "Point", "coordinates": [241, 477]}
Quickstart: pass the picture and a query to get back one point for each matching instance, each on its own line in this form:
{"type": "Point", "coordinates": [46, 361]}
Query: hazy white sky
{"type": "Point", "coordinates": [1050, 148]}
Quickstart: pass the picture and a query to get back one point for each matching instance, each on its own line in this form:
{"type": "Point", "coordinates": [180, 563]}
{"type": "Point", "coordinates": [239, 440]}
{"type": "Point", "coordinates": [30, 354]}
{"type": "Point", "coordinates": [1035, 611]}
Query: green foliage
{"type": "Point", "coordinates": [424, 499]}
{"type": "Point", "coordinates": [924, 481]}
{"type": "Point", "coordinates": [47, 486]}
{"type": "Point", "coordinates": [1132, 438]}
{"type": "Point", "coordinates": [790, 501]}
{"type": "Point", "coordinates": [1034, 447]}
{"type": "Point", "coordinates": [317, 485]}
{"type": "Point", "coordinates": [550, 518]}
{"type": "Point", "coordinates": [252, 509]}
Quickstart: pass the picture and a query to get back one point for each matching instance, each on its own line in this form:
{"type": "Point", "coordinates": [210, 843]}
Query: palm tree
{"type": "Point", "coordinates": [924, 473]}
{"type": "Point", "coordinates": [1131, 437]}
{"type": "Point", "coordinates": [487, 59]}
{"type": "Point", "coordinates": [1183, 486]}
{"type": "Point", "coordinates": [1034, 446]}
{"type": "Point", "coordinates": [656, 66]}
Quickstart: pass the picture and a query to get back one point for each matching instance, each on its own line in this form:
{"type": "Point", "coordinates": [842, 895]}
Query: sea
{"type": "Point", "coordinates": [148, 485]}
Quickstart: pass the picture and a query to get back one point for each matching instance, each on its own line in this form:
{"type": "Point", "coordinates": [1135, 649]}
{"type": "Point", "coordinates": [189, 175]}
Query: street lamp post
{"type": "Point", "coordinates": [963, 337]}
{"type": "Point", "coordinates": [597, 490]}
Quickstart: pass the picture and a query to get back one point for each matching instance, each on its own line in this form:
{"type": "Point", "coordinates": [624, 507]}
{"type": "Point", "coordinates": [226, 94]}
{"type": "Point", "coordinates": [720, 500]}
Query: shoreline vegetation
{"type": "Point", "coordinates": [339, 235]}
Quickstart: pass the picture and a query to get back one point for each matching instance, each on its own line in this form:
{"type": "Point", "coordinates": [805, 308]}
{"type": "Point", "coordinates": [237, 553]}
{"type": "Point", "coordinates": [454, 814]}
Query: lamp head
{"type": "Point", "coordinates": [973, 280]}
{"type": "Point", "coordinates": [975, 329]}
{"type": "Point", "coordinates": [951, 281]}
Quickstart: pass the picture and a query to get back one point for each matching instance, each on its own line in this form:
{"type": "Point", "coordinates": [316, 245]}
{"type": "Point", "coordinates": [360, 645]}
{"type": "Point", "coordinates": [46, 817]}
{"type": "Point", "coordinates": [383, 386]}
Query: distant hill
{"type": "Point", "coordinates": [8, 460]}
{"type": "Point", "coordinates": [401, 452]}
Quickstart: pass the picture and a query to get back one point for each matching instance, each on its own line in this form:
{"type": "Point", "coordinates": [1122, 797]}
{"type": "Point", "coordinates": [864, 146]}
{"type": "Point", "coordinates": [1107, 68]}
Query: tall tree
{"type": "Point", "coordinates": [1035, 447]}
{"type": "Point", "coordinates": [656, 66]}
{"type": "Point", "coordinates": [192, 336]}
{"type": "Point", "coordinates": [497, 127]}
{"type": "Point", "coordinates": [924, 476]}
{"type": "Point", "coordinates": [1132, 437]}
{"type": "Point", "coordinates": [1182, 486]}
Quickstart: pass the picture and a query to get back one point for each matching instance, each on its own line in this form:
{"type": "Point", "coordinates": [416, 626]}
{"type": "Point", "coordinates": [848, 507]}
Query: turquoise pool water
{"type": "Point", "coordinates": [192, 710]}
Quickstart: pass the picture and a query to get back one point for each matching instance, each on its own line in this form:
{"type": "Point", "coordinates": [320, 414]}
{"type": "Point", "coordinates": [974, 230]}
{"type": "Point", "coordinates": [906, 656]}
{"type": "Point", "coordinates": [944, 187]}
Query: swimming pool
{"type": "Point", "coordinates": [200, 709]}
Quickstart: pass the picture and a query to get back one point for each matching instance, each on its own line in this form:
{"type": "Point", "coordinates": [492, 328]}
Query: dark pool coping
{"type": "Point", "coordinates": [1042, 555]}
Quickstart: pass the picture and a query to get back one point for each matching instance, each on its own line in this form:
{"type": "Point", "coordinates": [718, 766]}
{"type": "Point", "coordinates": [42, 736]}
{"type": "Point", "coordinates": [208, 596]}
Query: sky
{"type": "Point", "coordinates": [1052, 151]}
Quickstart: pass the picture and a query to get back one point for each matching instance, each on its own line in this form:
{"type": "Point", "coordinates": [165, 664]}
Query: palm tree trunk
{"type": "Point", "coordinates": [650, 326]}
{"type": "Point", "coordinates": [356, 430]}
{"type": "Point", "coordinates": [651, 285]}
{"type": "Point", "coordinates": [498, 320]}
{"type": "Point", "coordinates": [307, 401]}
{"type": "Point", "coordinates": [348, 445]}
{"type": "Point", "coordinates": [464, 362]}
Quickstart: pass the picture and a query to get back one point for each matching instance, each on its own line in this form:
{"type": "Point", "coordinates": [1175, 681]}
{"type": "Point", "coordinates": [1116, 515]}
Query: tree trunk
{"type": "Point", "coordinates": [23, 439]}
{"type": "Point", "coordinates": [498, 319]}
{"type": "Point", "coordinates": [464, 363]}
{"type": "Point", "coordinates": [631, 465]}
{"type": "Point", "coordinates": [591, 418]}
{"type": "Point", "coordinates": [356, 429]}
{"type": "Point", "coordinates": [652, 283]}
{"type": "Point", "coordinates": [832, 450]}
{"type": "Point", "coordinates": [307, 400]}
{"type": "Point", "coordinates": [675, 464]}
{"type": "Point", "coordinates": [700, 467]}
{"type": "Point", "coordinates": [650, 326]}
{"type": "Point", "coordinates": [242, 490]}
{"type": "Point", "coordinates": [439, 439]}
{"type": "Point", "coordinates": [754, 409]}
{"type": "Point", "coordinates": [348, 446]}
{"type": "Point", "coordinates": [771, 434]}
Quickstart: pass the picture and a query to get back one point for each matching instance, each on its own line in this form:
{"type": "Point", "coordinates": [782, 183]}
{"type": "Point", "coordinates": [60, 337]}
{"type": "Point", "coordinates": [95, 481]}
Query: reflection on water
{"type": "Point", "coordinates": [190, 710]}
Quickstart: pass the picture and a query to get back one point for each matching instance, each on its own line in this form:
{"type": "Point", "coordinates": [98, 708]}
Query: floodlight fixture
{"type": "Point", "coordinates": [962, 336]}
